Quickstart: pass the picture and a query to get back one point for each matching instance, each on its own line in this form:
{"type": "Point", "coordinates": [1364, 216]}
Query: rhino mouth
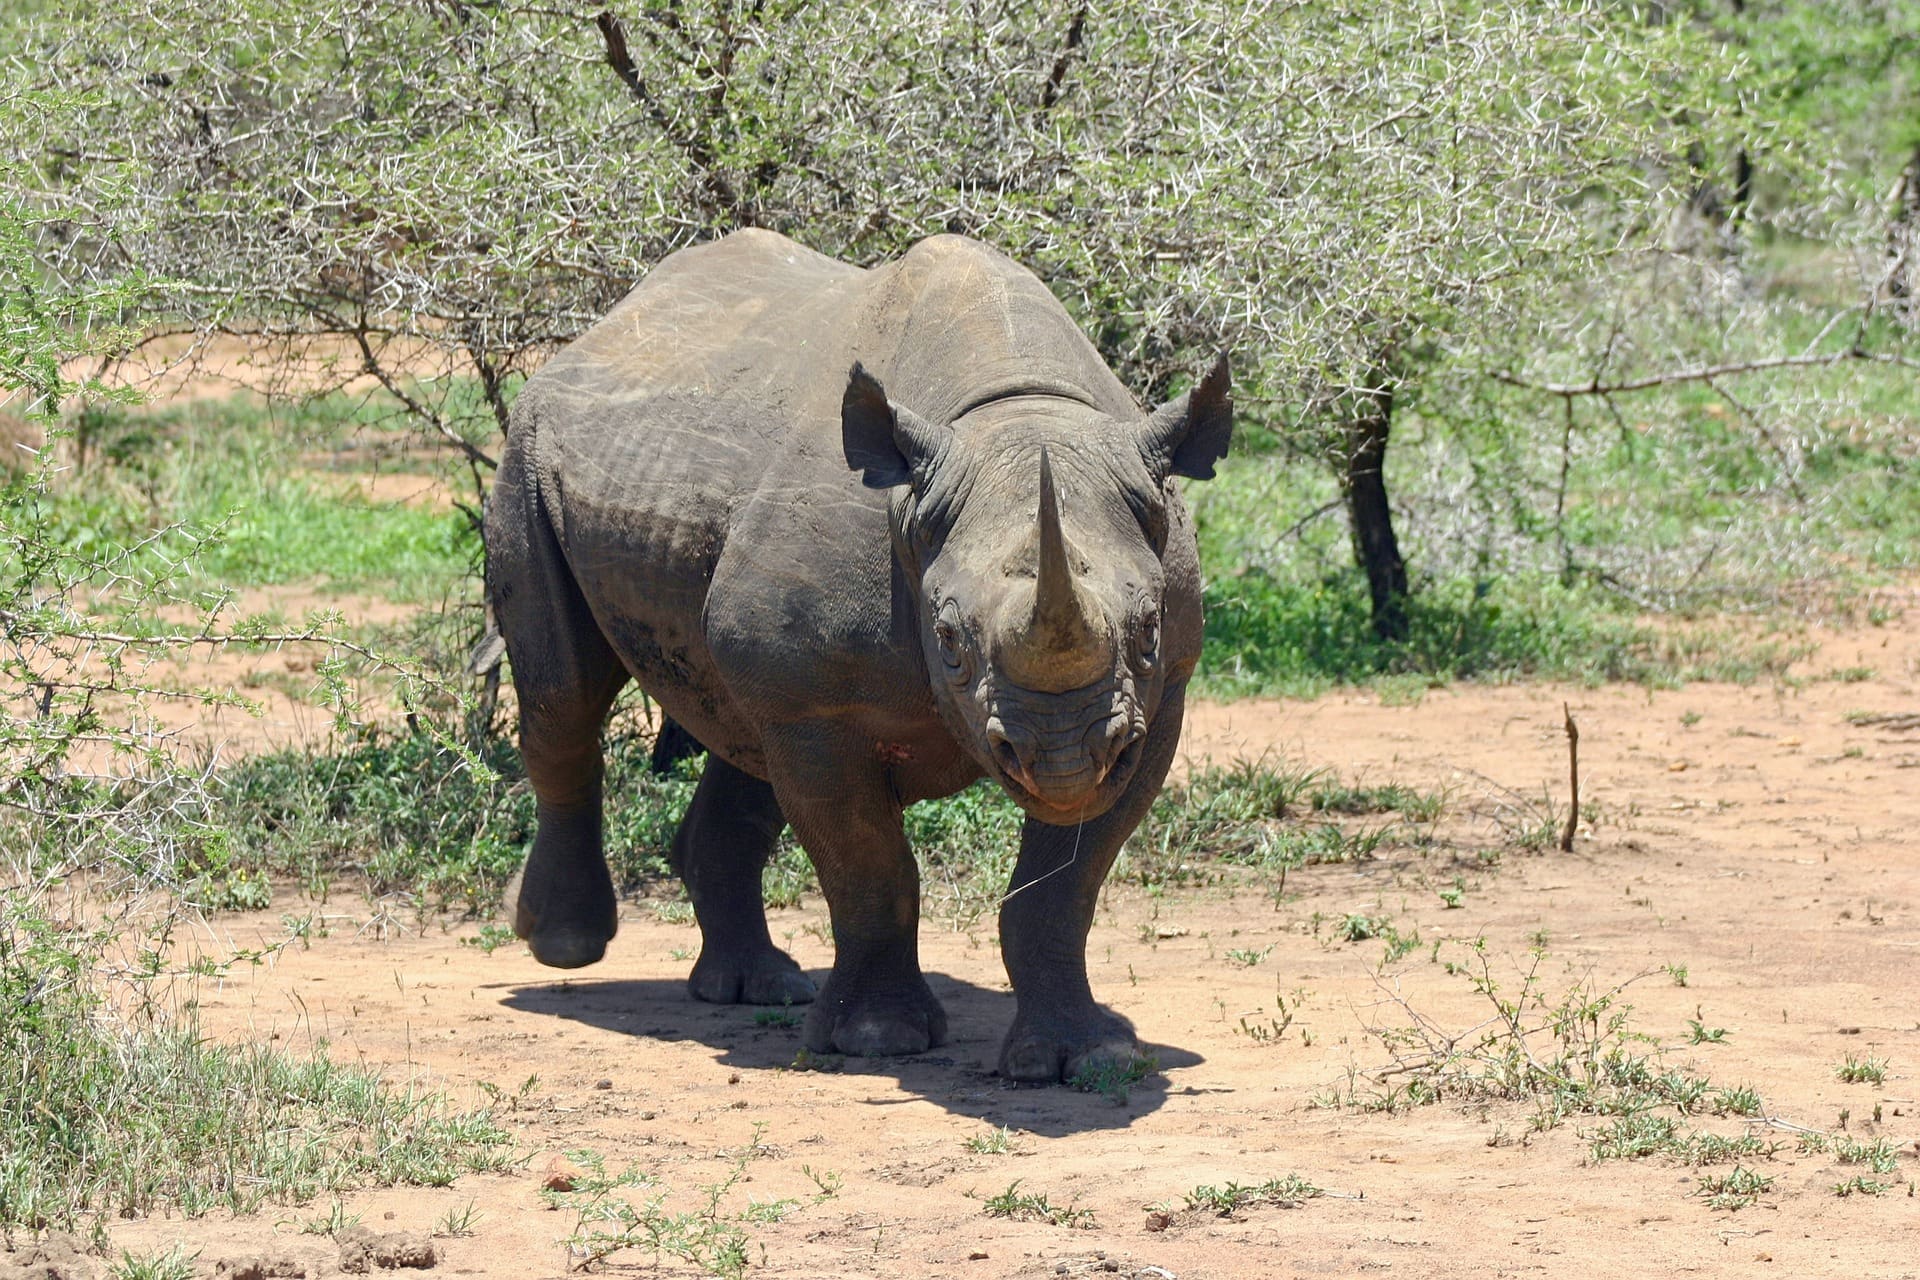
{"type": "Point", "coordinates": [1071, 771]}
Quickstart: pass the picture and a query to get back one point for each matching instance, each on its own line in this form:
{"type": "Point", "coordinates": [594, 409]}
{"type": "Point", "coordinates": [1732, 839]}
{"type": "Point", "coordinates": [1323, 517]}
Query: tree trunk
{"type": "Point", "coordinates": [1903, 244]}
{"type": "Point", "coordinates": [1742, 202]}
{"type": "Point", "coordinates": [1368, 512]}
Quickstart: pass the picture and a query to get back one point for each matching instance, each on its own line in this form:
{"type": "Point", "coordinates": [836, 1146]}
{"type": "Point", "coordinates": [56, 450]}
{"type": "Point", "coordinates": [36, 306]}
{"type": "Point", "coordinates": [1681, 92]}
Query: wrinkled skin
{"type": "Point", "coordinates": [869, 536]}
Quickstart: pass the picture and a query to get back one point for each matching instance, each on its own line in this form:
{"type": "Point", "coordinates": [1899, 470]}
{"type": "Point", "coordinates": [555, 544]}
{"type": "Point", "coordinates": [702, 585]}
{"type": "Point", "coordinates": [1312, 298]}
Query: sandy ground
{"type": "Point", "coordinates": [1754, 835]}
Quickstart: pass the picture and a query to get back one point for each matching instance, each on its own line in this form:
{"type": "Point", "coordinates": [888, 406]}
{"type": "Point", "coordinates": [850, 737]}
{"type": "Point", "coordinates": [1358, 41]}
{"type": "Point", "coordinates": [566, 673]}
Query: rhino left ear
{"type": "Point", "coordinates": [1188, 434]}
{"type": "Point", "coordinates": [888, 444]}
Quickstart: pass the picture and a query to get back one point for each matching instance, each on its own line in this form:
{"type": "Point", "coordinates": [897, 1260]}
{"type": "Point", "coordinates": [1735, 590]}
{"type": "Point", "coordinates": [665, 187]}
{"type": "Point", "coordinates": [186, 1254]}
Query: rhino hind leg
{"type": "Point", "coordinates": [566, 908]}
{"type": "Point", "coordinates": [723, 844]}
{"type": "Point", "coordinates": [670, 746]}
{"type": "Point", "coordinates": [566, 676]}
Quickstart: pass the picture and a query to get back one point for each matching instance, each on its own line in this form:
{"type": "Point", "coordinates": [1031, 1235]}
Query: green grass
{"type": "Point", "coordinates": [169, 1264]}
{"type": "Point", "coordinates": [282, 514]}
{"type": "Point", "coordinates": [1114, 1081]}
{"type": "Point", "coordinates": [413, 813]}
{"type": "Point", "coordinates": [1677, 506]}
{"type": "Point", "coordinates": [1734, 1190]}
{"type": "Point", "coordinates": [106, 1115]}
{"type": "Point", "coordinates": [609, 1221]}
{"type": "Point", "coordinates": [410, 812]}
{"type": "Point", "coordinates": [994, 1142]}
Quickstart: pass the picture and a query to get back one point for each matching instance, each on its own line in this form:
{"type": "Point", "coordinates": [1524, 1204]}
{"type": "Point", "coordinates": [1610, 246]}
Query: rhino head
{"type": "Point", "coordinates": [1035, 534]}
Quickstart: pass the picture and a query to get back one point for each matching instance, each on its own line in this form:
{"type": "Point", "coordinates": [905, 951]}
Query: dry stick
{"type": "Point", "coordinates": [1573, 771]}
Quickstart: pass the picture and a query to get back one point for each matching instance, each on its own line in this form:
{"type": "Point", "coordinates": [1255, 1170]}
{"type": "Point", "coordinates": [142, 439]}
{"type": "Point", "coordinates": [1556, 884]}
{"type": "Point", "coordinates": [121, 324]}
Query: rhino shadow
{"type": "Point", "coordinates": [958, 1076]}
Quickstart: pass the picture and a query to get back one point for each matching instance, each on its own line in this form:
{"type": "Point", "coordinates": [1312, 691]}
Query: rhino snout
{"type": "Point", "coordinates": [1063, 770]}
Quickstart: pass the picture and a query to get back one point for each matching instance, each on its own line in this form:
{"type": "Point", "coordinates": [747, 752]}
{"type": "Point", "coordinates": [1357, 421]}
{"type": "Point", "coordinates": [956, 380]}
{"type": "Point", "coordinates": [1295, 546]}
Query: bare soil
{"type": "Point", "coordinates": [1754, 835]}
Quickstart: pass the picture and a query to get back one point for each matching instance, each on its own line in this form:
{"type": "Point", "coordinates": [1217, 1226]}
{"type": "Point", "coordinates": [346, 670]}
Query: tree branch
{"type": "Point", "coordinates": [1058, 76]}
{"type": "Point", "coordinates": [1708, 373]}
{"type": "Point", "coordinates": [614, 36]}
{"type": "Point", "coordinates": [474, 453]}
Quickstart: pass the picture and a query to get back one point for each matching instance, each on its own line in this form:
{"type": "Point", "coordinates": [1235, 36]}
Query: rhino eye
{"type": "Point", "coordinates": [947, 635]}
{"type": "Point", "coordinates": [1146, 637]}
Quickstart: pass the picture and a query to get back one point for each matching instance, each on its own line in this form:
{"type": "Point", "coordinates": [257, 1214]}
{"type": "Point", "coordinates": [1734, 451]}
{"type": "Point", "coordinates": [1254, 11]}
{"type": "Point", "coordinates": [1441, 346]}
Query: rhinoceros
{"type": "Point", "coordinates": [870, 535]}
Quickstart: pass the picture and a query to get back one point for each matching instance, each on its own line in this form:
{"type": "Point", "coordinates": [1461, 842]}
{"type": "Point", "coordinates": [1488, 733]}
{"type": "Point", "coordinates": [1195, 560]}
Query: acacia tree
{"type": "Point", "coordinates": [1343, 193]}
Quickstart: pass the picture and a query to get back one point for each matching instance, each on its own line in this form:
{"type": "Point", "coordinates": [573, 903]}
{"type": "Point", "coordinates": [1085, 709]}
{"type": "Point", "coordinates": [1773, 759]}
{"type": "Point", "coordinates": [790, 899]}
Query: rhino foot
{"type": "Point", "coordinates": [876, 1026]}
{"type": "Point", "coordinates": [761, 977]}
{"type": "Point", "coordinates": [562, 939]}
{"type": "Point", "coordinates": [1057, 1048]}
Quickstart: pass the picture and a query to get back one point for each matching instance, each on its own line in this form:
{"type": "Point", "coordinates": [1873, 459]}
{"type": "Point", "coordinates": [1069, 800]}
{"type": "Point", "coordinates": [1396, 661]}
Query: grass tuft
{"type": "Point", "coordinates": [1228, 1199]}
{"type": "Point", "coordinates": [1030, 1206]}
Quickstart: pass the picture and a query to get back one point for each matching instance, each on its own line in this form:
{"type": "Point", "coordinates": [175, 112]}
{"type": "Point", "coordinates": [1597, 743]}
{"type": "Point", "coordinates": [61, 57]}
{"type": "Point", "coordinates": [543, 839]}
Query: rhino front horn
{"type": "Point", "coordinates": [1061, 639]}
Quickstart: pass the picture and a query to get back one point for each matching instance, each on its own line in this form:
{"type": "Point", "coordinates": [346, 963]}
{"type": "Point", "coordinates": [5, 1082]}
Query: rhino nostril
{"type": "Point", "coordinates": [1007, 756]}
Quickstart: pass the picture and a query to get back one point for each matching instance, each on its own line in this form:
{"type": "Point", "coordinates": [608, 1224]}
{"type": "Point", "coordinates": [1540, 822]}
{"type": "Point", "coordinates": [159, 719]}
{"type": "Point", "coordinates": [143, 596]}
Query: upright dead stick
{"type": "Point", "coordinates": [1573, 771]}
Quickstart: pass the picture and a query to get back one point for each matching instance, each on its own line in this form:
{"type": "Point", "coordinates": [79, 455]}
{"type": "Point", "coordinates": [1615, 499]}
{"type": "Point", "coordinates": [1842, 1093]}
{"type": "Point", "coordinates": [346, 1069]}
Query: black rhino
{"type": "Point", "coordinates": [870, 535]}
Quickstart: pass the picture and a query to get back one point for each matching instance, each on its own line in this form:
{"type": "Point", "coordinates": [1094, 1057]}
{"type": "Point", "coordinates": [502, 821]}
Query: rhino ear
{"type": "Point", "coordinates": [889, 445]}
{"type": "Point", "coordinates": [1188, 434]}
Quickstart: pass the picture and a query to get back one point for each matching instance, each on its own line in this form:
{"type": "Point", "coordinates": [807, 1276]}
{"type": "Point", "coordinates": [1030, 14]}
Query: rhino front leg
{"type": "Point", "coordinates": [720, 849]}
{"type": "Point", "coordinates": [875, 1001]}
{"type": "Point", "coordinates": [1059, 1030]}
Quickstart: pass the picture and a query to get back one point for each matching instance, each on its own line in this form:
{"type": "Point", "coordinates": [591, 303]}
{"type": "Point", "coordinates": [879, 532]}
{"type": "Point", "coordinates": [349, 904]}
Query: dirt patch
{"type": "Point", "coordinates": [1754, 843]}
{"type": "Point", "coordinates": [217, 366]}
{"type": "Point", "coordinates": [432, 492]}
{"type": "Point", "coordinates": [58, 1257]}
{"type": "Point", "coordinates": [278, 1266]}
{"type": "Point", "coordinates": [363, 1250]}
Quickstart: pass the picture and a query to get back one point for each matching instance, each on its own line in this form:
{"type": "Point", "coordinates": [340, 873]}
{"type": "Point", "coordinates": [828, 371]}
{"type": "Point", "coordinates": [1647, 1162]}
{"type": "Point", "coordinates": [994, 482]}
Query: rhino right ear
{"type": "Point", "coordinates": [888, 444]}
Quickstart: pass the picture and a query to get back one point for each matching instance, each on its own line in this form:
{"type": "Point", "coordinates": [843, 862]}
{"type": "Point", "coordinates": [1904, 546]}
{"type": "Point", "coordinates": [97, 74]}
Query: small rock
{"type": "Point", "coordinates": [603, 1084]}
{"type": "Point", "coordinates": [1110, 1264]}
{"type": "Point", "coordinates": [978, 1255]}
{"type": "Point", "coordinates": [1159, 1220]}
{"type": "Point", "coordinates": [560, 1174]}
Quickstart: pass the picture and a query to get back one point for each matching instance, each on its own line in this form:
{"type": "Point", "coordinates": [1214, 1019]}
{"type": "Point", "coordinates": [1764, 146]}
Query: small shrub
{"type": "Point", "coordinates": [1035, 1207]}
{"type": "Point", "coordinates": [1862, 1070]}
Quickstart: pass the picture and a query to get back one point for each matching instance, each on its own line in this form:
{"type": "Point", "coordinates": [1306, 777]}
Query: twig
{"type": "Point", "coordinates": [475, 454]}
{"type": "Point", "coordinates": [1573, 777]}
{"type": "Point", "coordinates": [221, 640]}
